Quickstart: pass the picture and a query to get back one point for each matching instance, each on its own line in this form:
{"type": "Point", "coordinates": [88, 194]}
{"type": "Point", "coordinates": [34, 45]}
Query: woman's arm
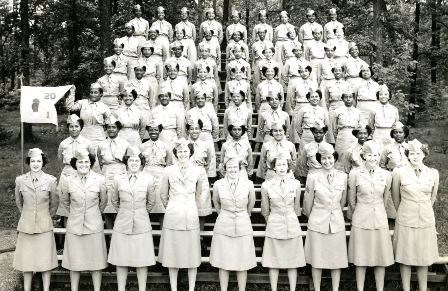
{"type": "Point", "coordinates": [265, 203]}
{"type": "Point", "coordinates": [351, 194]}
{"type": "Point", "coordinates": [54, 198]}
{"type": "Point", "coordinates": [435, 188]}
{"type": "Point", "coordinates": [251, 202]}
{"type": "Point", "coordinates": [18, 195]}
{"type": "Point", "coordinates": [344, 192]}
{"type": "Point", "coordinates": [297, 208]}
{"type": "Point", "coordinates": [396, 183]}
{"type": "Point", "coordinates": [103, 197]}
{"type": "Point", "coordinates": [216, 201]}
{"type": "Point", "coordinates": [151, 195]}
{"type": "Point", "coordinates": [115, 196]}
{"type": "Point", "coordinates": [308, 199]}
{"type": "Point", "coordinates": [164, 188]}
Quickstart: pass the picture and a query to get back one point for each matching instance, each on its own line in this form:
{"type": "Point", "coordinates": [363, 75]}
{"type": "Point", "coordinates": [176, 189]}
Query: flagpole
{"type": "Point", "coordinates": [22, 135]}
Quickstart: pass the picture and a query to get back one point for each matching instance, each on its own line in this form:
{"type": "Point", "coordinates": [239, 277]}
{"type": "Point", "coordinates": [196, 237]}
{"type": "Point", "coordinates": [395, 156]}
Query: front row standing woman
{"type": "Point", "coordinates": [414, 191]}
{"type": "Point", "coordinates": [233, 246]}
{"type": "Point", "coordinates": [280, 205]}
{"type": "Point", "coordinates": [133, 196]}
{"type": "Point", "coordinates": [85, 195]}
{"type": "Point", "coordinates": [37, 200]}
{"type": "Point", "coordinates": [180, 192]}
{"type": "Point", "coordinates": [325, 195]}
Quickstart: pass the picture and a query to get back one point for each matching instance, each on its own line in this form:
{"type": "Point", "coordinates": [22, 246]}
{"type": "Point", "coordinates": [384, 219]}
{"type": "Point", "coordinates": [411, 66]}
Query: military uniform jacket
{"type": "Point", "coordinates": [85, 203]}
{"type": "Point", "coordinates": [281, 208]}
{"type": "Point", "coordinates": [133, 202]}
{"type": "Point", "coordinates": [37, 202]}
{"type": "Point", "coordinates": [234, 207]}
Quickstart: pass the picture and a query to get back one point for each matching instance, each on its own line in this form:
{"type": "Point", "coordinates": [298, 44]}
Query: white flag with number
{"type": "Point", "coordinates": [37, 103]}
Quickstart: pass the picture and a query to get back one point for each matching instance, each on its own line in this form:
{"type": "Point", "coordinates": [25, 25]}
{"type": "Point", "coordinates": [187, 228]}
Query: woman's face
{"type": "Point", "coordinates": [177, 51]}
{"type": "Point", "coordinates": [128, 99]}
{"type": "Point", "coordinates": [139, 72]}
{"type": "Point", "coordinates": [238, 75]}
{"type": "Point", "coordinates": [314, 99]}
{"type": "Point", "coordinates": [134, 164]}
{"type": "Point", "coordinates": [179, 35]}
{"type": "Point", "coordinates": [333, 16]}
{"type": "Point", "coordinates": [365, 73]}
{"type": "Point", "coordinates": [152, 34]}
{"type": "Point", "coordinates": [337, 72]}
{"type": "Point", "coordinates": [383, 96]}
{"type": "Point", "coordinates": [147, 52]}
{"type": "Point", "coordinates": [118, 49]}
{"type": "Point", "coordinates": [184, 15]}
{"type": "Point", "coordinates": [112, 130]}
{"type": "Point", "coordinates": [172, 73]}
{"type": "Point", "coordinates": [398, 135]}
{"type": "Point", "coordinates": [129, 31]}
{"type": "Point", "coordinates": [36, 163]}
{"type": "Point", "coordinates": [203, 74]}
{"type": "Point", "coordinates": [164, 99]}
{"type": "Point", "coordinates": [211, 15]}
{"type": "Point", "coordinates": [74, 129]}
{"type": "Point", "coordinates": [340, 34]}
{"type": "Point", "coordinates": [305, 74]}
{"type": "Point", "coordinates": [298, 52]}
{"type": "Point", "coordinates": [278, 134]}
{"type": "Point", "coordinates": [262, 18]}
{"type": "Point", "coordinates": [362, 136]}
{"type": "Point", "coordinates": [153, 133]}
{"type": "Point", "coordinates": [348, 99]}
{"type": "Point", "coordinates": [416, 157]}
{"type": "Point", "coordinates": [236, 36]}
{"type": "Point", "coordinates": [284, 19]}
{"type": "Point", "coordinates": [317, 35]}
{"type": "Point", "coordinates": [292, 34]}
{"type": "Point", "coordinates": [371, 159]}
{"type": "Point", "coordinates": [83, 166]}
{"type": "Point", "coordinates": [262, 34]}
{"type": "Point", "coordinates": [327, 161]}
{"type": "Point", "coordinates": [311, 18]}
{"type": "Point", "coordinates": [183, 154]}
{"type": "Point", "coordinates": [318, 134]}
{"type": "Point", "coordinates": [161, 15]}
{"type": "Point", "coordinates": [95, 94]}
{"type": "Point", "coordinates": [274, 102]}
{"type": "Point", "coordinates": [354, 52]}
{"type": "Point", "coordinates": [237, 53]}
{"type": "Point", "coordinates": [236, 18]}
{"type": "Point", "coordinates": [236, 132]}
{"type": "Point", "coordinates": [329, 52]}
{"type": "Point", "coordinates": [200, 101]}
{"type": "Point", "coordinates": [270, 73]}
{"type": "Point", "coordinates": [268, 54]}
{"type": "Point", "coordinates": [109, 69]}
{"type": "Point", "coordinates": [194, 131]}
{"type": "Point", "coordinates": [208, 35]}
{"type": "Point", "coordinates": [232, 169]}
{"type": "Point", "coordinates": [281, 167]}
{"type": "Point", "coordinates": [237, 98]}
{"type": "Point", "coordinates": [138, 13]}
{"type": "Point", "coordinates": [204, 53]}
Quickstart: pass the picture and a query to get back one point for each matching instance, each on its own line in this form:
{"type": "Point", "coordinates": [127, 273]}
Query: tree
{"type": "Point", "coordinates": [25, 57]}
{"type": "Point", "coordinates": [105, 11]}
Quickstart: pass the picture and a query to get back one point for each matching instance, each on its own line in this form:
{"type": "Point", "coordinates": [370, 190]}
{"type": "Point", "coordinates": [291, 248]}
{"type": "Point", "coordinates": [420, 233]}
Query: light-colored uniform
{"type": "Point", "coordinates": [269, 151]}
{"type": "Point", "coordinates": [189, 30]}
{"type": "Point", "coordinates": [134, 124]}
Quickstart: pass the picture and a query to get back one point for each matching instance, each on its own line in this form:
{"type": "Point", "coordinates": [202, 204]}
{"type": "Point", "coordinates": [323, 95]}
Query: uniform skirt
{"type": "Point", "coordinates": [370, 247]}
{"type": "Point", "coordinates": [109, 172]}
{"type": "Point", "coordinates": [156, 172]}
{"type": "Point", "coordinates": [131, 250]}
{"type": "Point", "coordinates": [168, 136]}
{"type": "Point", "coordinates": [35, 252]}
{"type": "Point", "coordinates": [316, 69]}
{"type": "Point", "coordinates": [326, 251]}
{"type": "Point", "coordinates": [283, 253]}
{"type": "Point", "coordinates": [415, 246]}
{"type": "Point", "coordinates": [263, 108]}
{"type": "Point", "coordinates": [94, 133]}
{"type": "Point", "coordinates": [180, 248]}
{"type": "Point", "coordinates": [301, 167]}
{"type": "Point", "coordinates": [191, 48]}
{"type": "Point", "coordinates": [382, 136]}
{"type": "Point", "coordinates": [111, 102]}
{"type": "Point", "coordinates": [354, 82]}
{"type": "Point", "coordinates": [85, 252]}
{"type": "Point", "coordinates": [367, 107]}
{"type": "Point", "coordinates": [154, 90]}
{"type": "Point", "coordinates": [207, 137]}
{"type": "Point", "coordinates": [131, 135]}
{"type": "Point", "coordinates": [233, 253]}
{"type": "Point", "coordinates": [344, 140]}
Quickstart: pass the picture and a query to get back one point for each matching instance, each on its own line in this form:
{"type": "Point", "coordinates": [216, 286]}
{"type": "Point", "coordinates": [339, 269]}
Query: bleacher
{"type": "Point", "coordinates": [437, 276]}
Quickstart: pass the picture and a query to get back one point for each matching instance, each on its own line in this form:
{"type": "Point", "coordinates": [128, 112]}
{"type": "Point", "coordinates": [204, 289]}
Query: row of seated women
{"type": "Point", "coordinates": [183, 190]}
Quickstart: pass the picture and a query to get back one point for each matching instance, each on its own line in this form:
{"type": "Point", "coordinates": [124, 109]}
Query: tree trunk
{"type": "Point", "coordinates": [435, 39]}
{"type": "Point", "coordinates": [378, 30]}
{"type": "Point", "coordinates": [105, 11]}
{"type": "Point", "coordinates": [25, 57]}
{"type": "Point", "coordinates": [414, 66]}
{"type": "Point", "coordinates": [200, 11]}
{"type": "Point", "coordinates": [73, 43]}
{"type": "Point", "coordinates": [225, 11]}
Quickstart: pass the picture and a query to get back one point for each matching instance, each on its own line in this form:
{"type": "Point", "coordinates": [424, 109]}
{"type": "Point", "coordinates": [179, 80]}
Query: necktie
{"type": "Point", "coordinates": [279, 146]}
{"type": "Point", "coordinates": [132, 180]}
{"type": "Point", "coordinates": [153, 149]}
{"type": "Point", "coordinates": [418, 172]}
{"type": "Point", "coordinates": [237, 148]}
{"type": "Point", "coordinates": [371, 171]}
{"type": "Point", "coordinates": [330, 178]}
{"type": "Point", "coordinates": [401, 150]}
{"type": "Point", "coordinates": [83, 179]}
{"type": "Point", "coordinates": [34, 180]}
{"type": "Point", "coordinates": [113, 148]}
{"type": "Point", "coordinates": [282, 185]}
{"type": "Point", "coordinates": [233, 187]}
{"type": "Point", "coordinates": [183, 170]}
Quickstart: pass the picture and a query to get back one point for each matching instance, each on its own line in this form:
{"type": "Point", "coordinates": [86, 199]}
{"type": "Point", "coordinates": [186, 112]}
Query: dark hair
{"type": "Point", "coordinates": [151, 48]}
{"type": "Point", "coordinates": [92, 160]}
{"type": "Point", "coordinates": [190, 147]}
{"type": "Point", "coordinates": [141, 156]}
{"type": "Point", "coordinates": [424, 150]}
{"type": "Point", "coordinates": [169, 67]}
{"type": "Point", "coordinates": [325, 129]}
{"type": "Point", "coordinates": [308, 95]}
{"type": "Point", "coordinates": [319, 156]}
{"type": "Point", "coordinates": [309, 69]}
{"type": "Point", "coordinates": [167, 93]}
{"type": "Point", "coordinates": [100, 89]}
{"type": "Point", "coordinates": [143, 67]}
{"type": "Point", "coordinates": [117, 123]}
{"type": "Point", "coordinates": [342, 68]}
{"type": "Point", "coordinates": [283, 126]}
{"type": "Point", "coordinates": [240, 164]}
{"type": "Point", "coordinates": [327, 48]}
{"type": "Point", "coordinates": [279, 97]}
{"type": "Point", "coordinates": [405, 130]}
{"type": "Point", "coordinates": [259, 15]}
{"type": "Point", "coordinates": [134, 94]}
{"type": "Point", "coordinates": [113, 63]}
{"type": "Point", "coordinates": [288, 161]}
{"type": "Point", "coordinates": [241, 93]}
{"type": "Point", "coordinates": [344, 95]}
{"type": "Point", "coordinates": [44, 160]}
{"type": "Point", "coordinates": [370, 69]}
{"type": "Point", "coordinates": [80, 122]}
{"type": "Point", "coordinates": [265, 69]}
{"type": "Point", "coordinates": [271, 48]}
{"type": "Point", "coordinates": [200, 123]}
{"type": "Point", "coordinates": [243, 128]}
{"type": "Point", "coordinates": [367, 127]}
{"type": "Point", "coordinates": [160, 127]}
{"type": "Point", "coordinates": [207, 68]}
{"type": "Point", "coordinates": [233, 70]}
{"type": "Point", "coordinates": [237, 31]}
{"type": "Point", "coordinates": [378, 95]}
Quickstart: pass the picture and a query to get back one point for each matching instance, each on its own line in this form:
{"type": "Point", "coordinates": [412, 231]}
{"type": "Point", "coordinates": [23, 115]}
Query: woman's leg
{"type": "Point", "coordinates": [405, 272]}
{"type": "Point", "coordinates": [46, 279]}
{"type": "Point", "coordinates": [422, 277]}
{"type": "Point", "coordinates": [241, 277]}
{"type": "Point", "coordinates": [379, 278]}
{"type": "Point", "coordinates": [292, 278]}
{"type": "Point", "coordinates": [335, 278]}
{"type": "Point", "coordinates": [173, 278]}
{"type": "Point", "coordinates": [96, 278]}
{"type": "Point", "coordinates": [273, 278]}
{"type": "Point", "coordinates": [360, 277]}
{"type": "Point", "coordinates": [122, 275]}
{"type": "Point", "coordinates": [142, 275]}
{"type": "Point", "coordinates": [27, 279]}
{"type": "Point", "coordinates": [223, 279]}
{"type": "Point", "coordinates": [192, 278]}
{"type": "Point", "coordinates": [74, 280]}
{"type": "Point", "coordinates": [317, 275]}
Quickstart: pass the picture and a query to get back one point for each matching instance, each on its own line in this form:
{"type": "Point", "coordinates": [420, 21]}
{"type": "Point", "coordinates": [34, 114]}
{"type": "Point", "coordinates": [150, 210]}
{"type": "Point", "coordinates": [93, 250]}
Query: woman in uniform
{"type": "Point", "coordinates": [280, 36]}
{"type": "Point", "coordinates": [233, 246]}
{"type": "Point", "coordinates": [85, 194]}
{"type": "Point", "coordinates": [111, 86]}
{"type": "Point", "coordinates": [352, 157]}
{"type": "Point", "coordinates": [366, 99]}
{"type": "Point", "coordinates": [384, 116]}
{"type": "Point", "coordinates": [211, 26]}
{"type": "Point", "coordinates": [164, 28]}
{"type": "Point", "coordinates": [307, 31]}
{"type": "Point", "coordinates": [133, 196]}
{"type": "Point", "coordinates": [353, 67]}
{"type": "Point", "coordinates": [414, 191]}
{"type": "Point", "coordinates": [37, 199]}
{"type": "Point", "coordinates": [180, 192]}
{"type": "Point", "coordinates": [93, 113]}
{"type": "Point", "coordinates": [132, 120]}
{"type": "Point", "coordinates": [236, 26]}
{"type": "Point", "coordinates": [325, 196]}
{"type": "Point", "coordinates": [394, 155]}
{"type": "Point", "coordinates": [280, 206]}
{"type": "Point", "coordinates": [141, 26]}
{"type": "Point", "coordinates": [152, 70]}
{"type": "Point", "coordinates": [262, 26]}
{"type": "Point", "coordinates": [370, 243]}
{"type": "Point", "coordinates": [189, 30]}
